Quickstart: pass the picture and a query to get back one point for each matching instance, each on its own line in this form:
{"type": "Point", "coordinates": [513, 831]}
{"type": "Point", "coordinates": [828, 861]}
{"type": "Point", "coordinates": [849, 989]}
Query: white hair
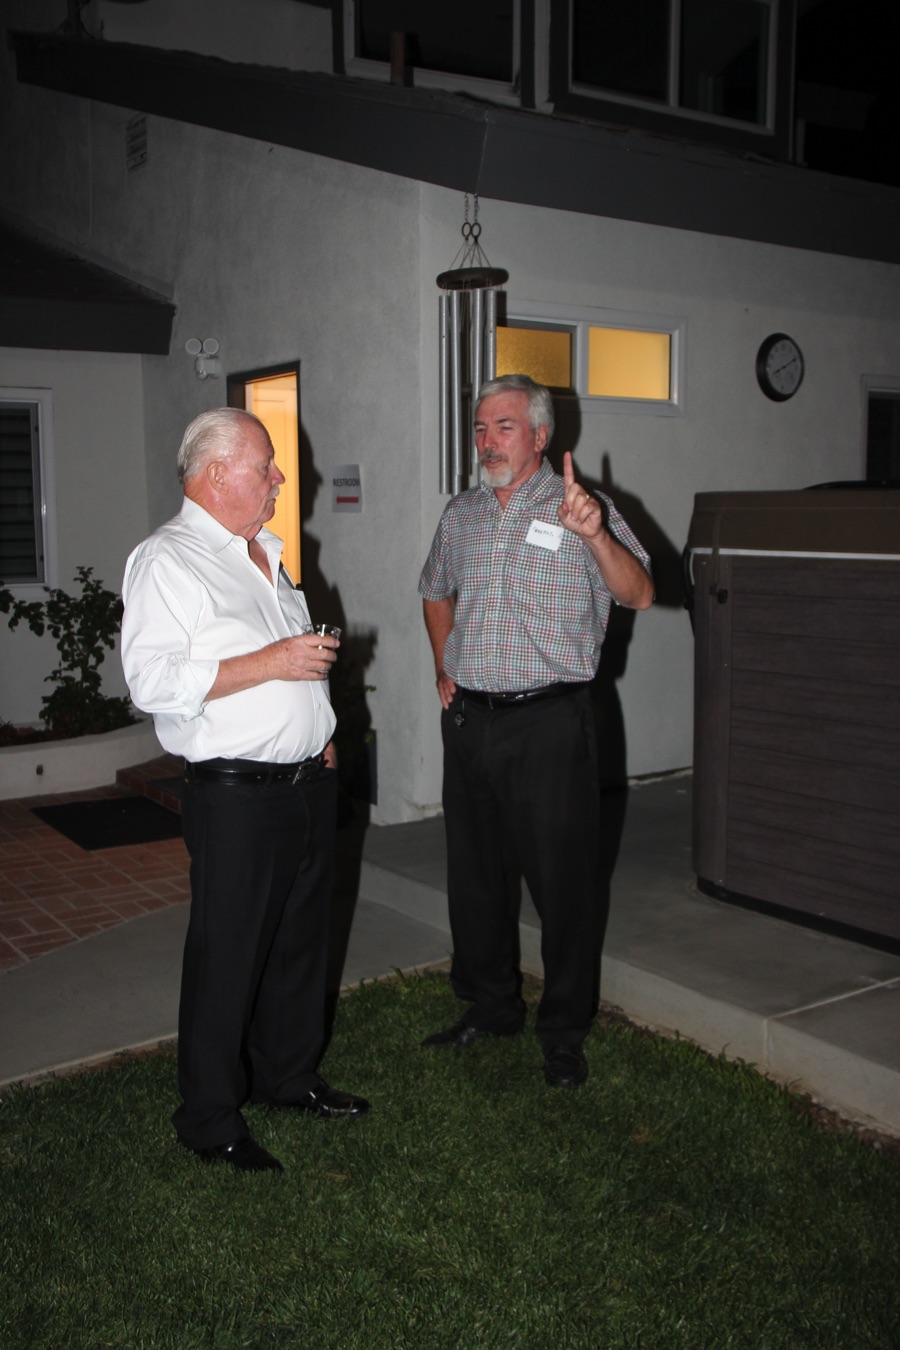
{"type": "Point", "coordinates": [214, 434]}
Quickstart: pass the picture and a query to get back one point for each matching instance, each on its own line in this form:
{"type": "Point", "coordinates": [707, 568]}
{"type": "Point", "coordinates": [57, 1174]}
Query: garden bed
{"type": "Point", "coordinates": [40, 768]}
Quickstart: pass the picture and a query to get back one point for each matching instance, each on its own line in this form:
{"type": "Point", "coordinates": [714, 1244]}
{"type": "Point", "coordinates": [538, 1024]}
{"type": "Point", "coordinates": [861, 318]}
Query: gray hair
{"type": "Point", "coordinates": [215, 433]}
{"type": "Point", "coordinates": [540, 404]}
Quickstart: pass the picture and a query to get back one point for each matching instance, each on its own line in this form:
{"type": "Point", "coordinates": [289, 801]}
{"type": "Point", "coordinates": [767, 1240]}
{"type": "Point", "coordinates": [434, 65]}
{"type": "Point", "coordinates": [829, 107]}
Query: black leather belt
{"type": "Point", "coordinates": [242, 772]}
{"type": "Point", "coordinates": [522, 696]}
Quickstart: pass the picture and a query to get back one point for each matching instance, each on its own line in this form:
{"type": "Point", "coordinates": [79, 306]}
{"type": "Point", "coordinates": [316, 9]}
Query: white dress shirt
{"type": "Point", "coordinates": [193, 596]}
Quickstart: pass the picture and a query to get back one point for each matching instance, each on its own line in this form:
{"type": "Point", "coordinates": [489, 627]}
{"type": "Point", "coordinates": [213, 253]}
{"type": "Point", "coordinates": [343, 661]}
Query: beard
{"type": "Point", "coordinates": [496, 473]}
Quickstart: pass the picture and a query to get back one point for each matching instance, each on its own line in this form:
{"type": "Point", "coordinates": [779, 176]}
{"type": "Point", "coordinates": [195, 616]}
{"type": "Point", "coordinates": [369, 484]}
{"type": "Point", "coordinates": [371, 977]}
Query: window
{"type": "Point", "coordinates": [609, 360]}
{"type": "Point", "coordinates": [713, 62]}
{"type": "Point", "coordinates": [26, 497]}
{"type": "Point", "coordinates": [882, 429]}
{"type": "Point", "coordinates": [472, 44]}
{"type": "Point", "coordinates": [543, 353]}
{"type": "Point", "coordinates": [629, 363]}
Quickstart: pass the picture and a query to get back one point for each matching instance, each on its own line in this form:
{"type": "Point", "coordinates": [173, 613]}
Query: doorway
{"type": "Point", "coordinates": [273, 395]}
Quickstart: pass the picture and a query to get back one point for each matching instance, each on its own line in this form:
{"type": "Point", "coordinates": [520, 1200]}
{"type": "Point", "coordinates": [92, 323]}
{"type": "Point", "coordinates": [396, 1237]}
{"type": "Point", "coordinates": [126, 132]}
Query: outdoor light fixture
{"type": "Point", "coordinates": [207, 365]}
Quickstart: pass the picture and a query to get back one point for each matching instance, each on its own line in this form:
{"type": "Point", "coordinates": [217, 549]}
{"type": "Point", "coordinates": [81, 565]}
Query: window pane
{"type": "Point", "coordinates": [883, 445]}
{"type": "Point", "coordinates": [623, 363]}
{"type": "Point", "coordinates": [469, 37]}
{"type": "Point", "coordinates": [622, 45]}
{"type": "Point", "coordinates": [21, 558]}
{"type": "Point", "coordinates": [543, 353]}
{"type": "Point", "coordinates": [724, 48]}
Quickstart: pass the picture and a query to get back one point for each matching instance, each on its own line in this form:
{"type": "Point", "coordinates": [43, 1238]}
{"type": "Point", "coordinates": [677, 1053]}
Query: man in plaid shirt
{"type": "Point", "coordinates": [517, 592]}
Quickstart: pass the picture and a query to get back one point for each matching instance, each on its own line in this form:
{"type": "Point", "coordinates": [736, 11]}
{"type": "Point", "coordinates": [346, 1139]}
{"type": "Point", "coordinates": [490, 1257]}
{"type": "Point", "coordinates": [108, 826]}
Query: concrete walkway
{"type": "Point", "coordinates": [820, 1013]}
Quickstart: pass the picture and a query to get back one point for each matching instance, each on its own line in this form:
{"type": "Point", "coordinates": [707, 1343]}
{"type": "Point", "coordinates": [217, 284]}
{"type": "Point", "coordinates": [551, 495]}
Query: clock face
{"type": "Point", "coordinates": [779, 367]}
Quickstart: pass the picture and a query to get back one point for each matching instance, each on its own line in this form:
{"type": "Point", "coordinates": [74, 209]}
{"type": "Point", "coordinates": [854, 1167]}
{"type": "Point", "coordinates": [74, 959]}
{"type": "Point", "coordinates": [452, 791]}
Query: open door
{"type": "Point", "coordinates": [273, 395]}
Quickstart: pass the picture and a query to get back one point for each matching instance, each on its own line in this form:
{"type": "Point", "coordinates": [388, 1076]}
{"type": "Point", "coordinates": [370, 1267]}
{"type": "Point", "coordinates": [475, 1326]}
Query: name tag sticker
{"type": "Point", "coordinates": [544, 535]}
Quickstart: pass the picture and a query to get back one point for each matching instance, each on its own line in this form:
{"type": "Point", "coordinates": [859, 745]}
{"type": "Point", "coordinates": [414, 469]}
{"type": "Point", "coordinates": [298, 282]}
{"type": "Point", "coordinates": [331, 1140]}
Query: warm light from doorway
{"type": "Point", "coordinates": [274, 400]}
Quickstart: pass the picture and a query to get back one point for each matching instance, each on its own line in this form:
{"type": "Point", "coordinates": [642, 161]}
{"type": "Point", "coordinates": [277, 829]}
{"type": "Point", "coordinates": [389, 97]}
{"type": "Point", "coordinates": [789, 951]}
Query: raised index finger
{"type": "Point", "coordinates": [568, 470]}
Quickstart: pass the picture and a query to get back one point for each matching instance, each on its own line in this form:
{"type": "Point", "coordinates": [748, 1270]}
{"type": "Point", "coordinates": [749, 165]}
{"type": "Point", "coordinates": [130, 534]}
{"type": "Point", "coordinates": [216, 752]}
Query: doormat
{"type": "Point", "coordinates": [111, 822]}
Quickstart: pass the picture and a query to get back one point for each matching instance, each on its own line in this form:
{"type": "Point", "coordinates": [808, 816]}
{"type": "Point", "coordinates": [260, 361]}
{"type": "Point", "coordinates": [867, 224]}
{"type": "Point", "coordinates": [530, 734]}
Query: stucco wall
{"type": "Point", "coordinates": [100, 498]}
{"type": "Point", "coordinates": [284, 256]}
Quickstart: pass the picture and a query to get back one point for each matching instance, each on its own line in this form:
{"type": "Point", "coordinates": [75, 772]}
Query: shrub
{"type": "Point", "coordinates": [82, 626]}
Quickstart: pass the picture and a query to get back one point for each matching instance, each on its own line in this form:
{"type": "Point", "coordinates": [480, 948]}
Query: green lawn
{"type": "Point", "coordinates": [673, 1201]}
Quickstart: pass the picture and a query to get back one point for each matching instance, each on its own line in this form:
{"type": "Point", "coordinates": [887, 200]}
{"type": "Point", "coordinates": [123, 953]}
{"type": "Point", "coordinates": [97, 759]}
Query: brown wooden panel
{"type": "Point", "coordinates": [822, 743]}
{"type": "Point", "coordinates": [857, 619]}
{"type": "Point", "coordinates": [833, 521]}
{"type": "Point", "coordinates": [832, 578]}
{"type": "Point", "coordinates": [875, 790]}
{"type": "Point", "coordinates": [857, 663]}
{"type": "Point", "coordinates": [838, 904]}
{"type": "Point", "coordinates": [839, 867]}
{"type": "Point", "coordinates": [712, 728]}
{"type": "Point", "coordinates": [835, 822]}
{"type": "Point", "coordinates": [871, 705]}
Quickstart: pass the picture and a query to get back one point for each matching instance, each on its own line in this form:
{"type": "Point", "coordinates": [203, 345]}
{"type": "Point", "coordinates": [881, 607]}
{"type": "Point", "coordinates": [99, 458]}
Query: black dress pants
{"type": "Point", "coordinates": [521, 794]}
{"type": "Point", "coordinates": [251, 1018]}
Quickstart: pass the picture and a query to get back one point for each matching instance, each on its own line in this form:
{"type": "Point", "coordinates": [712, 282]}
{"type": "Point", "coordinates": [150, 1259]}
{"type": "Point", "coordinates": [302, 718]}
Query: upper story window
{"type": "Point", "coordinates": [473, 45]}
{"type": "Point", "coordinates": [609, 360]}
{"type": "Point", "coordinates": [713, 64]}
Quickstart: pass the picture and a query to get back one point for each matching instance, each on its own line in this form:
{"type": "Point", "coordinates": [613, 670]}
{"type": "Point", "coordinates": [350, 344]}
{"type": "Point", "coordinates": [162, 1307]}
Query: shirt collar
{"type": "Point", "coordinates": [525, 491]}
{"type": "Point", "coordinates": [217, 537]}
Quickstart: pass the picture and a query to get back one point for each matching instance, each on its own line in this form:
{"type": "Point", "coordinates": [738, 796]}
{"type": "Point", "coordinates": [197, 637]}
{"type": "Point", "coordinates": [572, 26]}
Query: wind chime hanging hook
{"type": "Point", "coordinates": [468, 348]}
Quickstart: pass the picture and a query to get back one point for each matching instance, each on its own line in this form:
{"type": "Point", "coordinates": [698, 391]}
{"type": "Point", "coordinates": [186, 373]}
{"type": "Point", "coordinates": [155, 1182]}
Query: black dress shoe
{"type": "Point", "coordinates": [325, 1102]}
{"type": "Point", "coordinates": [245, 1155]}
{"type": "Point", "coordinates": [565, 1065]}
{"type": "Point", "coordinates": [462, 1033]}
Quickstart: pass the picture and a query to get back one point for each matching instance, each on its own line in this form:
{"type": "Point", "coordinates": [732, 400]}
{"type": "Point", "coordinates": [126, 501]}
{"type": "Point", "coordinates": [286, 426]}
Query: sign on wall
{"type": "Point", "coordinates": [346, 488]}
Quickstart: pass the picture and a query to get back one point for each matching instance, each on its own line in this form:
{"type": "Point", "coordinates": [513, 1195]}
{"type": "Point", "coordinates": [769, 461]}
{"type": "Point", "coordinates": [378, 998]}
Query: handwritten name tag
{"type": "Point", "coordinates": [544, 535]}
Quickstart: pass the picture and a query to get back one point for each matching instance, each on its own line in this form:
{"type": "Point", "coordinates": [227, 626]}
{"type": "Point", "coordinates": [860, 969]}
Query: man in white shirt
{"type": "Point", "coordinates": [216, 645]}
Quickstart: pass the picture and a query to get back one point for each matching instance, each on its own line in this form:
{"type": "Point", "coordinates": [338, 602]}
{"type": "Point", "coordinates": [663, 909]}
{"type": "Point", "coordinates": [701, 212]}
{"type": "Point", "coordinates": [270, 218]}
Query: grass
{"type": "Point", "coordinates": [673, 1201]}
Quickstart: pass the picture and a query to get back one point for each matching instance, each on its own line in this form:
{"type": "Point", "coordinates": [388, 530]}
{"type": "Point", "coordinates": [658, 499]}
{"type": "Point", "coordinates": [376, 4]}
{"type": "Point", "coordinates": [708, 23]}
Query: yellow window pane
{"type": "Point", "coordinates": [544, 354]}
{"type": "Point", "coordinates": [624, 363]}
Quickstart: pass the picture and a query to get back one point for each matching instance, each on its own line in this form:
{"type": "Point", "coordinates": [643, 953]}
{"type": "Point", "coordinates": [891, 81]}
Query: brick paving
{"type": "Point", "coordinates": [53, 893]}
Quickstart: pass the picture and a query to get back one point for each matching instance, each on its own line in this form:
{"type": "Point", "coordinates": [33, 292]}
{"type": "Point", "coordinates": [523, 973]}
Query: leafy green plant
{"type": "Point", "coordinates": [82, 627]}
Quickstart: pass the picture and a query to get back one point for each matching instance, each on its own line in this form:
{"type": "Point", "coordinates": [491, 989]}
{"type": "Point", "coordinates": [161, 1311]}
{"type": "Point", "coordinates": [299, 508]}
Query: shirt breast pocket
{"type": "Point", "coordinates": [536, 583]}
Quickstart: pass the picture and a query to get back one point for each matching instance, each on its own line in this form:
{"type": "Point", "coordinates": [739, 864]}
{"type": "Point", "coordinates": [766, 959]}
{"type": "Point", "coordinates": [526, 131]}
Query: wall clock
{"type": "Point", "coordinates": [779, 367]}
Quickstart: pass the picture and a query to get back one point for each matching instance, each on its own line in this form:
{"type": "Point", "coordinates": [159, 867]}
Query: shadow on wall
{"type": "Point", "coordinates": [354, 735]}
{"type": "Point", "coordinates": [667, 577]}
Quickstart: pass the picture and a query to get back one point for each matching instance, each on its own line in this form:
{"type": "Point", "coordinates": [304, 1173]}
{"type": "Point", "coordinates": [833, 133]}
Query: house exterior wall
{"type": "Point", "coordinates": [285, 256]}
{"type": "Point", "coordinates": [100, 492]}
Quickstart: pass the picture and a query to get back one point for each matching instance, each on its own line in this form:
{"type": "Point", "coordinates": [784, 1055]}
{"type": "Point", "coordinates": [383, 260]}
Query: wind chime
{"type": "Point", "coordinates": [468, 350]}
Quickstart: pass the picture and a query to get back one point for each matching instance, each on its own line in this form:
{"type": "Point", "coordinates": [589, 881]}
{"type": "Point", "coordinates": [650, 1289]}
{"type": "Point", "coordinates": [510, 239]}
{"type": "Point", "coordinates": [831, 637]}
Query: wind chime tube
{"type": "Point", "coordinates": [490, 337]}
{"type": "Point", "coordinates": [476, 336]}
{"type": "Point", "coordinates": [456, 392]}
{"type": "Point", "coordinates": [444, 400]}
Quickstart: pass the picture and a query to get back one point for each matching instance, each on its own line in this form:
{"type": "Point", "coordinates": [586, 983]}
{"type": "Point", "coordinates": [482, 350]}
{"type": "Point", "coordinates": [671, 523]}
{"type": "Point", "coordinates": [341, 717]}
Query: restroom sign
{"type": "Point", "coordinates": [346, 488]}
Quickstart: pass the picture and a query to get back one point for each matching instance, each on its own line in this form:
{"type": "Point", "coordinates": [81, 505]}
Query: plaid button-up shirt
{"type": "Point", "coordinates": [526, 615]}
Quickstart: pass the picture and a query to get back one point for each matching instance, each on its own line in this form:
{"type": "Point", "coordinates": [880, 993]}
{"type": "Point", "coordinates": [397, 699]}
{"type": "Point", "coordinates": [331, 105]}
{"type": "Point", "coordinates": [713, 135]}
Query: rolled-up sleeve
{"type": "Point", "coordinates": [162, 609]}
